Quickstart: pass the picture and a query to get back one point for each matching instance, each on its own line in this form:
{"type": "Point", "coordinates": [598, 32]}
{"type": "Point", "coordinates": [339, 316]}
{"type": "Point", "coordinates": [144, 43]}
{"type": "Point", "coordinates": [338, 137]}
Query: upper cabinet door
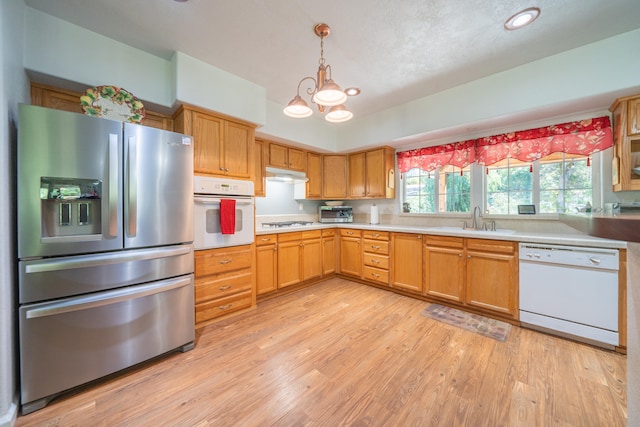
{"type": "Point", "coordinates": [334, 176]}
{"type": "Point", "coordinates": [207, 133]}
{"type": "Point", "coordinates": [357, 175]}
{"type": "Point", "coordinates": [238, 150]}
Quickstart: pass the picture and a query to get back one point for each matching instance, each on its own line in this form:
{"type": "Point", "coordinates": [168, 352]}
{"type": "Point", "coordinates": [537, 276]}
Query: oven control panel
{"type": "Point", "coordinates": [222, 186]}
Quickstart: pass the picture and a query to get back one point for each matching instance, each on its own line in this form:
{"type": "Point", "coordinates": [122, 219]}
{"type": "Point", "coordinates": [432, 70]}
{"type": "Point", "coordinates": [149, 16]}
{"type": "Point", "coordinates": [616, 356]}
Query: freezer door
{"type": "Point", "coordinates": [69, 176]}
{"type": "Point", "coordinates": [46, 279]}
{"type": "Point", "coordinates": [158, 187]}
{"type": "Point", "coordinates": [68, 342]}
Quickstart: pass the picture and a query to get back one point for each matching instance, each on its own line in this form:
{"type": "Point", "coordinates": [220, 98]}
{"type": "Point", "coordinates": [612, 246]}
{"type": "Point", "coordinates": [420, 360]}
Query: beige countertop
{"type": "Point", "coordinates": [577, 239]}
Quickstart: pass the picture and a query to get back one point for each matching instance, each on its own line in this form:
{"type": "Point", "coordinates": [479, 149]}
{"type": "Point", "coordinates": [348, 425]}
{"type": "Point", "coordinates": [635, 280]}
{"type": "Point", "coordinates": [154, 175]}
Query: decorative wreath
{"type": "Point", "coordinates": [112, 102]}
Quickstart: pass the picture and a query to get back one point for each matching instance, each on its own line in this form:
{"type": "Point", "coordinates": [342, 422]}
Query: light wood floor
{"type": "Point", "coordinates": [345, 354]}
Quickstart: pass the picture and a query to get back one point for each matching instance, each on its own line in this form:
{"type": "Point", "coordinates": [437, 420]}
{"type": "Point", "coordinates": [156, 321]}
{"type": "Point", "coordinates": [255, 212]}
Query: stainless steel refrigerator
{"type": "Point", "coordinates": [105, 253]}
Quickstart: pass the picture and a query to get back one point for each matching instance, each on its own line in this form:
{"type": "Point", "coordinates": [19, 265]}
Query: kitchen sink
{"type": "Point", "coordinates": [469, 230]}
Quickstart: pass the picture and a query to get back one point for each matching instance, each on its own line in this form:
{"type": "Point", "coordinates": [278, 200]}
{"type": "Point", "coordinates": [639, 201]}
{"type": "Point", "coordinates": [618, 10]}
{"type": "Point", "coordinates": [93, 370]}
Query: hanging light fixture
{"type": "Point", "coordinates": [324, 92]}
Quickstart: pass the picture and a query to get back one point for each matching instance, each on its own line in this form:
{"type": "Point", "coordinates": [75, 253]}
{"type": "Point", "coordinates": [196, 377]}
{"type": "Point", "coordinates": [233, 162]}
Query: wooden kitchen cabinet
{"type": "Point", "coordinates": [492, 276]}
{"type": "Point", "coordinates": [357, 175]}
{"type": "Point", "coordinates": [478, 273]}
{"type": "Point", "coordinates": [314, 173]}
{"type": "Point", "coordinates": [282, 156]}
{"type": "Point", "coordinates": [375, 256]}
{"type": "Point", "coordinates": [407, 261]}
{"type": "Point", "coordinates": [224, 282]}
{"type": "Point", "coordinates": [444, 267]}
{"type": "Point", "coordinates": [299, 257]}
{"type": "Point", "coordinates": [266, 263]}
{"type": "Point", "coordinates": [372, 174]}
{"type": "Point", "coordinates": [334, 176]}
{"type": "Point", "coordinates": [328, 252]}
{"type": "Point", "coordinates": [626, 138]}
{"type": "Point", "coordinates": [67, 100]}
{"type": "Point", "coordinates": [350, 252]}
{"type": "Point", "coordinates": [259, 174]}
{"type": "Point", "coordinates": [222, 146]}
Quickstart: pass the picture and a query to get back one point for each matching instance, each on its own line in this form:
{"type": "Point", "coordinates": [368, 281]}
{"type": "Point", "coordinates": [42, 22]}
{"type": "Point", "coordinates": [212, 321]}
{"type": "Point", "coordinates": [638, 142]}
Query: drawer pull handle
{"type": "Point", "coordinates": [225, 261]}
{"type": "Point", "coordinates": [349, 232]}
{"type": "Point", "coordinates": [266, 239]}
{"type": "Point", "coordinates": [224, 288]}
{"type": "Point", "coordinates": [375, 275]}
{"type": "Point", "coordinates": [225, 307]}
{"type": "Point", "coordinates": [375, 247]}
{"type": "Point", "coordinates": [375, 261]}
{"type": "Point", "coordinates": [376, 234]}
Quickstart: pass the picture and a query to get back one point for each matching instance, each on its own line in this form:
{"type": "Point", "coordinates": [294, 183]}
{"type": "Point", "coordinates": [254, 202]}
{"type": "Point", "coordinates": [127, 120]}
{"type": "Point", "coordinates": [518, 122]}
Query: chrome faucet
{"type": "Point", "coordinates": [474, 224]}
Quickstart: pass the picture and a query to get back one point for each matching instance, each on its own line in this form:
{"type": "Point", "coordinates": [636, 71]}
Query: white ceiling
{"type": "Point", "coordinates": [394, 50]}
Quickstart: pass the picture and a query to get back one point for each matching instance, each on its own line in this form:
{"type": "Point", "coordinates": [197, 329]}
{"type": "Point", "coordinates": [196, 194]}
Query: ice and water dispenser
{"type": "Point", "coordinates": [70, 206]}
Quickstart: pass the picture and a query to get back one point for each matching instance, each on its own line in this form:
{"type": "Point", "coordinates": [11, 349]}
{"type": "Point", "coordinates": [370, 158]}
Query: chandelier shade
{"type": "Point", "coordinates": [338, 114]}
{"type": "Point", "coordinates": [325, 91]}
{"type": "Point", "coordinates": [297, 108]}
{"type": "Point", "coordinates": [330, 94]}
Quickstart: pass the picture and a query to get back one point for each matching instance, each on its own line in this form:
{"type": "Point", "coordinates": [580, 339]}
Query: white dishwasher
{"type": "Point", "coordinates": [570, 291]}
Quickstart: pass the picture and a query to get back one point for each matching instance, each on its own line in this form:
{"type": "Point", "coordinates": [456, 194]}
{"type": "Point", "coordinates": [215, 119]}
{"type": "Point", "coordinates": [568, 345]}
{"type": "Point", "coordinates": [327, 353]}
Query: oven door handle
{"type": "Point", "coordinates": [213, 200]}
{"type": "Point", "coordinates": [105, 298]}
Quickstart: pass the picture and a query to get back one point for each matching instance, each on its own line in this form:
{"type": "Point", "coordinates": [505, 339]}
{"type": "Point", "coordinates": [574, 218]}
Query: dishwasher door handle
{"type": "Point", "coordinates": [594, 260]}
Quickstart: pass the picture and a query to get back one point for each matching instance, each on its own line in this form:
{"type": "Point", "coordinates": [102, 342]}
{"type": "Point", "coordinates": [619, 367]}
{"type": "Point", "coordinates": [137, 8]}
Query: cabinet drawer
{"type": "Point", "coordinates": [299, 235]}
{"type": "Point", "coordinates": [328, 233]}
{"type": "Point", "coordinates": [375, 275]}
{"type": "Point", "coordinates": [376, 246]}
{"type": "Point", "coordinates": [500, 246]}
{"type": "Point", "coordinates": [375, 235]}
{"type": "Point", "coordinates": [446, 241]}
{"type": "Point", "coordinates": [219, 307]}
{"type": "Point", "coordinates": [379, 261]}
{"type": "Point", "coordinates": [266, 239]}
{"type": "Point", "coordinates": [217, 261]}
{"type": "Point", "coordinates": [223, 284]}
{"type": "Point", "coordinates": [350, 233]}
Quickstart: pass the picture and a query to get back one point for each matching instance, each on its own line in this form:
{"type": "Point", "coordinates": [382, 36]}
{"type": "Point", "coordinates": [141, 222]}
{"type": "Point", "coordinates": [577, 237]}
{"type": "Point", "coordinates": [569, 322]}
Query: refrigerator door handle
{"type": "Point", "coordinates": [105, 298]}
{"type": "Point", "coordinates": [113, 185]}
{"type": "Point", "coordinates": [132, 185]}
{"type": "Point", "coordinates": [106, 259]}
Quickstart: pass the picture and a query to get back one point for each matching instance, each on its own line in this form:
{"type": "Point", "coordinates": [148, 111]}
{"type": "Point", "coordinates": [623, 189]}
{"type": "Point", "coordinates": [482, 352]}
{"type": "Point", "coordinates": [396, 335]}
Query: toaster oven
{"type": "Point", "coordinates": [336, 214]}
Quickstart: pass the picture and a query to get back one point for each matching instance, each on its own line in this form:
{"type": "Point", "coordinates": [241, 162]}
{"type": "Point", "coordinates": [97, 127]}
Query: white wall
{"type": "Point", "coordinates": [201, 84]}
{"type": "Point", "coordinates": [58, 48]}
{"type": "Point", "coordinates": [13, 90]}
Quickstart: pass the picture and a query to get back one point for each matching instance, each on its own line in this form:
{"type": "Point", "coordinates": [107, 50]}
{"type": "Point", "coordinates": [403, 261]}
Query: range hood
{"type": "Point", "coordinates": [285, 175]}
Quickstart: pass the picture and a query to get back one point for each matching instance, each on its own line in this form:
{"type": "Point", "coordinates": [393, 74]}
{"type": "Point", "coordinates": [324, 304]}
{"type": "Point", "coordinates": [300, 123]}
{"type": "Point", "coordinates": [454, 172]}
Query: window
{"type": "Point", "coordinates": [556, 183]}
{"type": "Point", "coordinates": [444, 190]}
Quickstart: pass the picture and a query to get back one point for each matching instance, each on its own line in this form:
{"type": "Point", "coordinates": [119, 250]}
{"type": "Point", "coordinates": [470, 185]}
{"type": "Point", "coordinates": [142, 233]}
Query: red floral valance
{"type": "Point", "coordinates": [583, 137]}
{"type": "Point", "coordinates": [460, 154]}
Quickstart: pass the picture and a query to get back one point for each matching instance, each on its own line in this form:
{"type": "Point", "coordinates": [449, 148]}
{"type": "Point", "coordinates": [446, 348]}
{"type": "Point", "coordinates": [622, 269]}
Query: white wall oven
{"type": "Point", "coordinates": [210, 216]}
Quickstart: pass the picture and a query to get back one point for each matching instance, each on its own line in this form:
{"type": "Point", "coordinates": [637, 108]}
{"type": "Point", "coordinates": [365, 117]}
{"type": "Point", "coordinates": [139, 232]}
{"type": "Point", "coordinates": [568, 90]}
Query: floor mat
{"type": "Point", "coordinates": [471, 322]}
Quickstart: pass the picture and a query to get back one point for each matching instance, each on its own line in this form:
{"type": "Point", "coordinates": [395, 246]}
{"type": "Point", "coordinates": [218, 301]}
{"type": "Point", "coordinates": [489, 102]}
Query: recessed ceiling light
{"type": "Point", "coordinates": [522, 18]}
{"type": "Point", "coordinates": [352, 91]}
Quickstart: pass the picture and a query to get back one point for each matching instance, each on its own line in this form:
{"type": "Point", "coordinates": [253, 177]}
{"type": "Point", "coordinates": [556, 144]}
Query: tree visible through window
{"type": "Point", "coordinates": [442, 190]}
{"type": "Point", "coordinates": [556, 183]}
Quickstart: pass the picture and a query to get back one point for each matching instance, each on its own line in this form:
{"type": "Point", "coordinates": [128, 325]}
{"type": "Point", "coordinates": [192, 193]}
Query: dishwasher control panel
{"type": "Point", "coordinates": [570, 255]}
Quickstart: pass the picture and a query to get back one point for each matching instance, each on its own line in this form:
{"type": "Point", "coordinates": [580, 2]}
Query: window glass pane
{"type": "Point", "coordinates": [457, 190]}
{"type": "Point", "coordinates": [443, 190]}
{"type": "Point", "coordinates": [565, 183]}
{"type": "Point", "coordinates": [509, 184]}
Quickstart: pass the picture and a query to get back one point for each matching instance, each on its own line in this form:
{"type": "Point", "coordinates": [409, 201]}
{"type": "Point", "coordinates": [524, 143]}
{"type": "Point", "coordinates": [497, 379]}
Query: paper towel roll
{"type": "Point", "coordinates": [375, 217]}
